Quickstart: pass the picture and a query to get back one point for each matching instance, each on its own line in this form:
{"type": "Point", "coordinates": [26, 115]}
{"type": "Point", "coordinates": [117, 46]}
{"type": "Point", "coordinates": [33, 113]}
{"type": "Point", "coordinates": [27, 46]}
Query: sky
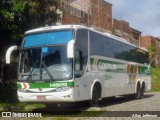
{"type": "Point", "coordinates": [142, 15]}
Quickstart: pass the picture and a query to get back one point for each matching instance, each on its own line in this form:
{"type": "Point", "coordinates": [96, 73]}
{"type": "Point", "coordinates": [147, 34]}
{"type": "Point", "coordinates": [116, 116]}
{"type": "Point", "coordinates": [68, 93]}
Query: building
{"type": "Point", "coordinates": [147, 41]}
{"type": "Point", "coordinates": [122, 29]}
{"type": "Point", "coordinates": [135, 36]}
{"type": "Point", "coordinates": [98, 14]}
{"type": "Point", "coordinates": [91, 13]}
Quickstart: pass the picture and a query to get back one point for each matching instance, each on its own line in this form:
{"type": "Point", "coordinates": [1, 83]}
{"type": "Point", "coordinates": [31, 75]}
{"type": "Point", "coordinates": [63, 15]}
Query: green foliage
{"type": "Point", "coordinates": [18, 16]}
{"type": "Point", "coordinates": [152, 50]}
{"type": "Point", "coordinates": [155, 74]}
{"type": "Point", "coordinates": [20, 106]}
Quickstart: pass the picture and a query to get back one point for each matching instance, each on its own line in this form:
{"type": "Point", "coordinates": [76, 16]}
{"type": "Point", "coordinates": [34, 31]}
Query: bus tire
{"type": "Point", "coordinates": [142, 90]}
{"type": "Point", "coordinates": [138, 92]}
{"type": "Point", "coordinates": [95, 96]}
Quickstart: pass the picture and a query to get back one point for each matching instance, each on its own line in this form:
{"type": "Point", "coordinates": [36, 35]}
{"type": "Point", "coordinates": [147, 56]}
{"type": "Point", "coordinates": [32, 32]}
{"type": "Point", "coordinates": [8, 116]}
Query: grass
{"type": "Point", "coordinates": [155, 75]}
{"type": "Point", "coordinates": [27, 107]}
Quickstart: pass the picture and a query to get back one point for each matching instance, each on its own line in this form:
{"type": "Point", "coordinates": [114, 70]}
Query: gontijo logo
{"type": "Point", "coordinates": [105, 65]}
{"type": "Point", "coordinates": [132, 71]}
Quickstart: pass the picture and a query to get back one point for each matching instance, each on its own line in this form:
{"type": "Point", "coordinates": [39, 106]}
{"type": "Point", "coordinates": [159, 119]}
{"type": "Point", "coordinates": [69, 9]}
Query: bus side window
{"type": "Point", "coordinates": [78, 63]}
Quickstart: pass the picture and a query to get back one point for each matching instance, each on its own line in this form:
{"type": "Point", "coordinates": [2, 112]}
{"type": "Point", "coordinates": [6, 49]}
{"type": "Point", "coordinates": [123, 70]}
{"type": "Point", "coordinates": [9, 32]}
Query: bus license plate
{"type": "Point", "coordinates": [42, 98]}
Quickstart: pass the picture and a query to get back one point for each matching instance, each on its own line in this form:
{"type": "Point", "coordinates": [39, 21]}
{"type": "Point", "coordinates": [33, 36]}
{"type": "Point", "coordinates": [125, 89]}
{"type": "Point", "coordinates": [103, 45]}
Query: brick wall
{"type": "Point", "coordinates": [82, 5]}
{"type": "Point", "coordinates": [69, 19]}
{"type": "Point", "coordinates": [74, 12]}
{"type": "Point", "coordinates": [101, 15]}
{"type": "Point", "coordinates": [98, 14]}
{"type": "Point", "coordinates": [93, 13]}
{"type": "Point", "coordinates": [147, 41]}
{"type": "Point", "coordinates": [135, 37]}
{"type": "Point", "coordinates": [122, 29]}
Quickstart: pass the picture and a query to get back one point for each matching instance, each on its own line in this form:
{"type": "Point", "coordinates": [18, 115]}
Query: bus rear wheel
{"type": "Point", "coordinates": [142, 90]}
{"type": "Point", "coordinates": [138, 92]}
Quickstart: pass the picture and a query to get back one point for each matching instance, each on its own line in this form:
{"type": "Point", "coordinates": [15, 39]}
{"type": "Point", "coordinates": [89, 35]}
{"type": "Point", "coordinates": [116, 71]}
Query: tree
{"type": "Point", "coordinates": [5, 17]}
{"type": "Point", "coordinates": [17, 16]}
{"type": "Point", "coordinates": [152, 50]}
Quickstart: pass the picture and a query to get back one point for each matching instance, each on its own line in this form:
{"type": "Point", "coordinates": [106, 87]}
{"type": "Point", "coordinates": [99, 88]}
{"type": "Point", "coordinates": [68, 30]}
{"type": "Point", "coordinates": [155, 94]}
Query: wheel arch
{"type": "Point", "coordinates": [96, 83]}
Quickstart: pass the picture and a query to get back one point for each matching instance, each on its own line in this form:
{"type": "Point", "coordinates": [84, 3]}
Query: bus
{"type": "Point", "coordinates": [72, 63]}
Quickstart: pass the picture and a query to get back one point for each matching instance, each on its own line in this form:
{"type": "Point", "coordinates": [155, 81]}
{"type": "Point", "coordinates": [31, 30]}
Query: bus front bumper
{"type": "Point", "coordinates": [65, 96]}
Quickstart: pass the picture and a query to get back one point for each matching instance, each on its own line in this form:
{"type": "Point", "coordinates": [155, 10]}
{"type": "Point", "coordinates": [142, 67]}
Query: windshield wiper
{"type": "Point", "coordinates": [45, 67]}
{"type": "Point", "coordinates": [32, 70]}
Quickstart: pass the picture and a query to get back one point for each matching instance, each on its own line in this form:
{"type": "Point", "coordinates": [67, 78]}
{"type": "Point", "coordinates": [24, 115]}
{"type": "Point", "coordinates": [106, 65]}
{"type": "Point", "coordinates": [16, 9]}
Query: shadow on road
{"type": "Point", "coordinates": [119, 100]}
{"type": "Point", "coordinates": [78, 108]}
{"type": "Point", "coordinates": [74, 109]}
{"type": "Point", "coordinates": [148, 95]}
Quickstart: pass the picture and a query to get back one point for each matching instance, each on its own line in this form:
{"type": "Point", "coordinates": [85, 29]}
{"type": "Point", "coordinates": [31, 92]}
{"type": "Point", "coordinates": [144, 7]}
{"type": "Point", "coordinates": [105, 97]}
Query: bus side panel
{"type": "Point", "coordinates": [82, 87]}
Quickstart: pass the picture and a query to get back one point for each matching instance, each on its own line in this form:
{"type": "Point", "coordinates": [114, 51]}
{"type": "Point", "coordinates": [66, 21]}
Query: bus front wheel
{"type": "Point", "coordinates": [95, 96]}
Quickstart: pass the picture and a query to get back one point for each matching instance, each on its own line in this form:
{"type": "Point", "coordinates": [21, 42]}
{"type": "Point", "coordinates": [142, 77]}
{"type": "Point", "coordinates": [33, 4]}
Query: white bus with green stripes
{"type": "Point", "coordinates": [71, 63]}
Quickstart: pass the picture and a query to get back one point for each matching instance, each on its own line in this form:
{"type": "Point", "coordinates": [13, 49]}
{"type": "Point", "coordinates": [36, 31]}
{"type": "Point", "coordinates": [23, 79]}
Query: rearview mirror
{"type": "Point", "coordinates": [8, 53]}
{"type": "Point", "coordinates": [70, 49]}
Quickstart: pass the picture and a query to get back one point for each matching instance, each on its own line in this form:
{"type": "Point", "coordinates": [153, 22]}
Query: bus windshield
{"type": "Point", "coordinates": [48, 38]}
{"type": "Point", "coordinates": [45, 63]}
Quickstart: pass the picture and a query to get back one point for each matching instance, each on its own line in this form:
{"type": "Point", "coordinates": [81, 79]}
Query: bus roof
{"type": "Point", "coordinates": [59, 27]}
{"type": "Point", "coordinates": [56, 27]}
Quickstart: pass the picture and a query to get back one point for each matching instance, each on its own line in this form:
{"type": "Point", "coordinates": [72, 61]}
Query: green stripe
{"type": "Point", "coordinates": [143, 70]}
{"type": "Point", "coordinates": [111, 66]}
{"type": "Point", "coordinates": [108, 66]}
{"type": "Point", "coordinates": [48, 85]}
{"type": "Point", "coordinates": [19, 85]}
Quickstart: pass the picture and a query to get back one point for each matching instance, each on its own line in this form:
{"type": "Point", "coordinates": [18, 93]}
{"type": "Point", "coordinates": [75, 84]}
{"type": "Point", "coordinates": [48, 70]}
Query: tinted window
{"type": "Point", "coordinates": [81, 51]}
{"type": "Point", "coordinates": [107, 46]}
{"type": "Point", "coordinates": [143, 57]}
{"type": "Point", "coordinates": [95, 44]}
{"type": "Point", "coordinates": [133, 54]}
{"type": "Point", "coordinates": [126, 51]}
{"type": "Point", "coordinates": [118, 49]}
{"type": "Point", "coordinates": [146, 57]}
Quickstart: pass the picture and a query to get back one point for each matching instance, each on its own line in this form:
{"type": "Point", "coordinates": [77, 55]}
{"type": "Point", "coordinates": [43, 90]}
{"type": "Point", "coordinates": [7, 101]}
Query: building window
{"type": "Point", "coordinates": [72, 10]}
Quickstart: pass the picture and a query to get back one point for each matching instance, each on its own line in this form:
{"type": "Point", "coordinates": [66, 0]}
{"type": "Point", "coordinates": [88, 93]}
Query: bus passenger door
{"type": "Point", "coordinates": [81, 77]}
